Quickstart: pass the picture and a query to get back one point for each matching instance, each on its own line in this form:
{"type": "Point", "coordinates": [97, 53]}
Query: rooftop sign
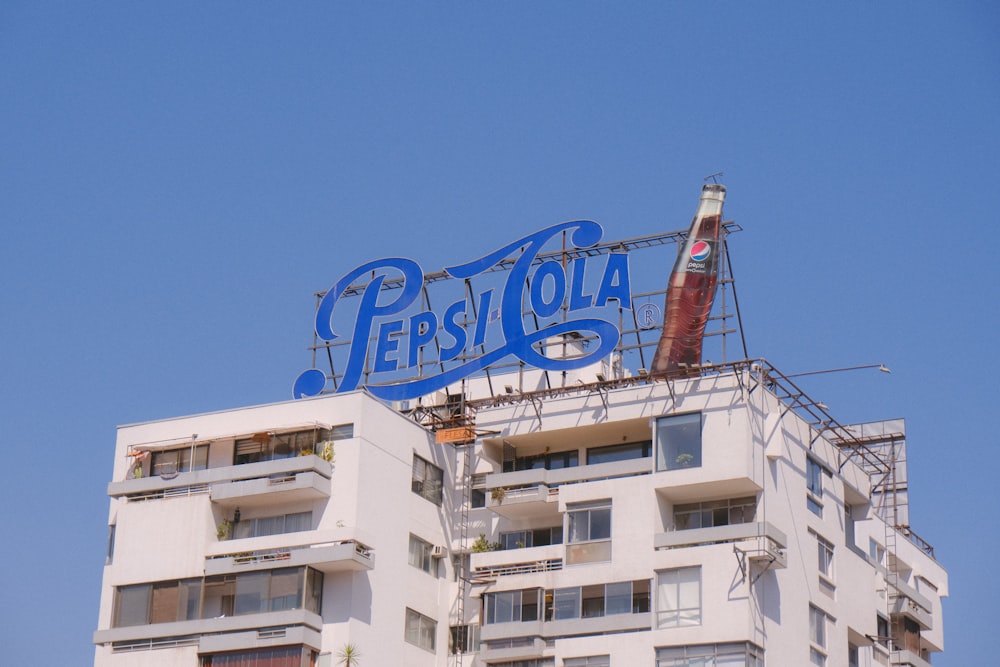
{"type": "Point", "coordinates": [540, 298]}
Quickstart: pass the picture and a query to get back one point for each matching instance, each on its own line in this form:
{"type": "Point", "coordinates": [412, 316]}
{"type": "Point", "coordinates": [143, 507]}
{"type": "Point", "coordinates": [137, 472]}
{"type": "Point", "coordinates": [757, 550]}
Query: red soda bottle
{"type": "Point", "coordinates": [691, 290]}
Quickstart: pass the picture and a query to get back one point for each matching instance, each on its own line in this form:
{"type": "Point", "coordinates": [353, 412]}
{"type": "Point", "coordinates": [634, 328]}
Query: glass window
{"type": "Point", "coordinates": [566, 603]}
{"type": "Point", "coordinates": [589, 661]}
{"type": "Point", "coordinates": [678, 597]}
{"type": "Point", "coordinates": [285, 590]}
{"type": "Point", "coordinates": [132, 605]}
{"type": "Point", "coordinates": [284, 656]}
{"type": "Point", "coordinates": [817, 626]}
{"type": "Point", "coordinates": [588, 523]}
{"type": "Point", "coordinates": [814, 477]}
{"type": "Point", "coordinates": [464, 639]}
{"type": "Point", "coordinates": [825, 556]}
{"type": "Point", "coordinates": [251, 592]}
{"type": "Point", "coordinates": [272, 525]}
{"type": "Point", "coordinates": [512, 606]}
{"type": "Point", "coordinates": [477, 494]}
{"type": "Point", "coordinates": [589, 526]}
{"type": "Point", "coordinates": [427, 480]}
{"type": "Point", "coordinates": [420, 630]}
{"type": "Point", "coordinates": [737, 654]}
{"type": "Point", "coordinates": [715, 513]}
{"type": "Point", "coordinates": [678, 442]}
{"type": "Point", "coordinates": [625, 452]}
{"type": "Point", "coordinates": [172, 461]}
{"type": "Point", "coordinates": [618, 598]}
{"type": "Point", "coordinates": [268, 446]}
{"type": "Point", "coordinates": [420, 554]}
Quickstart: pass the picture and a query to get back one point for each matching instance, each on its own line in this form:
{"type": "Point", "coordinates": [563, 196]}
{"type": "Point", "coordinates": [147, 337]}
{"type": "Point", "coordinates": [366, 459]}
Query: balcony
{"type": "Point", "coordinates": [207, 626]}
{"type": "Point", "coordinates": [489, 565]}
{"type": "Point", "coordinates": [758, 540]}
{"type": "Point", "coordinates": [519, 647]}
{"type": "Point", "coordinates": [906, 658]}
{"type": "Point", "coordinates": [597, 625]}
{"type": "Point", "coordinates": [260, 638]}
{"type": "Point", "coordinates": [907, 601]}
{"type": "Point", "coordinates": [326, 551]}
{"type": "Point", "coordinates": [533, 494]}
{"type": "Point", "coordinates": [247, 485]}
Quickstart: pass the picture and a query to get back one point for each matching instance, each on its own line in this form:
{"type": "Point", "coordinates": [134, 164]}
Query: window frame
{"type": "Point", "coordinates": [427, 480]}
{"type": "Point", "coordinates": [423, 624]}
{"type": "Point", "coordinates": [675, 611]}
{"type": "Point", "coordinates": [676, 444]}
{"type": "Point", "coordinates": [426, 562]}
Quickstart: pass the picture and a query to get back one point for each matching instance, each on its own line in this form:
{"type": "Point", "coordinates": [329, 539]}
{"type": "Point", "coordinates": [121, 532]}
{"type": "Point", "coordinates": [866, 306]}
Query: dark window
{"type": "Point", "coordinates": [715, 513]}
{"type": "Point", "coordinates": [172, 461]}
{"type": "Point", "coordinates": [284, 656]}
{"type": "Point", "coordinates": [427, 480]}
{"type": "Point", "coordinates": [267, 446]}
{"type": "Point", "coordinates": [624, 452]}
{"type": "Point", "coordinates": [550, 461]}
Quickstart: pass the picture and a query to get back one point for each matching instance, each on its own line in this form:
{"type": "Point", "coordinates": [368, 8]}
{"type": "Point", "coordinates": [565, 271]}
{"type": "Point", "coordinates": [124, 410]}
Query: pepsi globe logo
{"type": "Point", "coordinates": [700, 251]}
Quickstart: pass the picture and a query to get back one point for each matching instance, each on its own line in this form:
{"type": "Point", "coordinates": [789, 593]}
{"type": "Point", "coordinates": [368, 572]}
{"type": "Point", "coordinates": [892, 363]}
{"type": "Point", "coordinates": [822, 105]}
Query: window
{"type": "Point", "coordinates": [172, 461]}
{"type": "Point", "coordinates": [589, 527]}
{"type": "Point", "coordinates": [477, 494]}
{"type": "Point", "coordinates": [464, 639]}
{"type": "Point", "coordinates": [111, 545]}
{"type": "Point", "coordinates": [160, 602]}
{"type": "Point", "coordinates": [420, 554]}
{"type": "Point", "coordinates": [272, 525]}
{"type": "Point", "coordinates": [817, 636]}
{"type": "Point", "coordinates": [589, 661]}
{"type": "Point", "coordinates": [551, 461]}
{"type": "Point", "coordinates": [539, 537]}
{"type": "Point", "coordinates": [427, 480]}
{"type": "Point", "coordinates": [825, 554]}
{"type": "Point", "coordinates": [678, 597]}
{"type": "Point", "coordinates": [876, 551]}
{"type": "Point", "coordinates": [268, 446]}
{"type": "Point", "coordinates": [853, 656]}
{"type": "Point", "coordinates": [736, 654]}
{"type": "Point", "coordinates": [512, 606]}
{"type": "Point", "coordinates": [882, 628]}
{"type": "Point", "coordinates": [814, 477]}
{"type": "Point", "coordinates": [678, 442]}
{"type": "Point", "coordinates": [814, 485]}
{"type": "Point", "coordinates": [283, 656]}
{"type": "Point", "coordinates": [612, 453]}
{"type": "Point", "coordinates": [420, 630]}
{"type": "Point", "coordinates": [596, 600]}
{"type": "Point", "coordinates": [715, 513]}
{"type": "Point", "coordinates": [223, 595]}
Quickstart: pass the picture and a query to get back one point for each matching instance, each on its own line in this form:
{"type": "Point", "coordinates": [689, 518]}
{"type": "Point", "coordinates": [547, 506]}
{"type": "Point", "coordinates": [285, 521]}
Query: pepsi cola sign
{"type": "Point", "coordinates": [391, 332]}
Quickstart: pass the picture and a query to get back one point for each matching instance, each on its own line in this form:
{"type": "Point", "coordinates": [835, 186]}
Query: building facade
{"type": "Point", "coordinates": [709, 518]}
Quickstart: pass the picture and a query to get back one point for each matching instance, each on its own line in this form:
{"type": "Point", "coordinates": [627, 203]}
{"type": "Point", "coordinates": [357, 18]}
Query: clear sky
{"type": "Point", "coordinates": [178, 178]}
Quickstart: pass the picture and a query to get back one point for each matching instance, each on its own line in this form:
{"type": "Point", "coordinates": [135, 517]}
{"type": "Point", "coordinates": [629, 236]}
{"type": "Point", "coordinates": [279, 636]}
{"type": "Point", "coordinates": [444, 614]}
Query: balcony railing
{"type": "Point", "coordinates": [214, 479]}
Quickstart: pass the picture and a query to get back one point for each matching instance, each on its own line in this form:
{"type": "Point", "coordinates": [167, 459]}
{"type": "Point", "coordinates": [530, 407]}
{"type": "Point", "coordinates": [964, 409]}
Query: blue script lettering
{"type": "Point", "coordinates": [546, 292]}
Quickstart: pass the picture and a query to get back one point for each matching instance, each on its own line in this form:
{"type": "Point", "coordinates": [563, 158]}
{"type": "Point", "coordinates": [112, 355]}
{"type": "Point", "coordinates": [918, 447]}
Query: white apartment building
{"type": "Point", "coordinates": [595, 519]}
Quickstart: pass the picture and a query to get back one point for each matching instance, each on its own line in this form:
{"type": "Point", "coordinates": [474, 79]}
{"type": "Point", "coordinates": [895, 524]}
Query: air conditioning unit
{"type": "Point", "coordinates": [437, 551]}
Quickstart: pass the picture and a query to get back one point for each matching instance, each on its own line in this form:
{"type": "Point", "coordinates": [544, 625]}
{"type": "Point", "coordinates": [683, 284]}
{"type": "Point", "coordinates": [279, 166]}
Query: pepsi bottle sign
{"type": "Point", "coordinates": [390, 332]}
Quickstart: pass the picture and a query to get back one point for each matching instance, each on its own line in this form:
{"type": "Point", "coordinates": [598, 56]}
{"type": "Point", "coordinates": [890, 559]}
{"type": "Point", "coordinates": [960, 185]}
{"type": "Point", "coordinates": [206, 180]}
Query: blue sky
{"type": "Point", "coordinates": [178, 179]}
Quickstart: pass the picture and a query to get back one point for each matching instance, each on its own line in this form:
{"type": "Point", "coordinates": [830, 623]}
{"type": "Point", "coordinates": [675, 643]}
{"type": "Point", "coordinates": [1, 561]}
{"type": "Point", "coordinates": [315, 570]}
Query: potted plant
{"type": "Point", "coordinates": [498, 494]}
{"type": "Point", "coordinates": [684, 460]}
{"type": "Point", "coordinates": [224, 529]}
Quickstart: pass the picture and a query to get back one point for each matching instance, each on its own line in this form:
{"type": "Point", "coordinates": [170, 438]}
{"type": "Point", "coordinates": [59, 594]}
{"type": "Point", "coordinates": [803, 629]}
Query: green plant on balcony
{"type": "Point", "coordinates": [349, 655]}
{"type": "Point", "coordinates": [306, 451]}
{"type": "Point", "coordinates": [482, 545]}
{"type": "Point", "coordinates": [326, 451]}
{"type": "Point", "coordinates": [684, 460]}
{"type": "Point", "coordinates": [224, 529]}
{"type": "Point", "coordinates": [498, 494]}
